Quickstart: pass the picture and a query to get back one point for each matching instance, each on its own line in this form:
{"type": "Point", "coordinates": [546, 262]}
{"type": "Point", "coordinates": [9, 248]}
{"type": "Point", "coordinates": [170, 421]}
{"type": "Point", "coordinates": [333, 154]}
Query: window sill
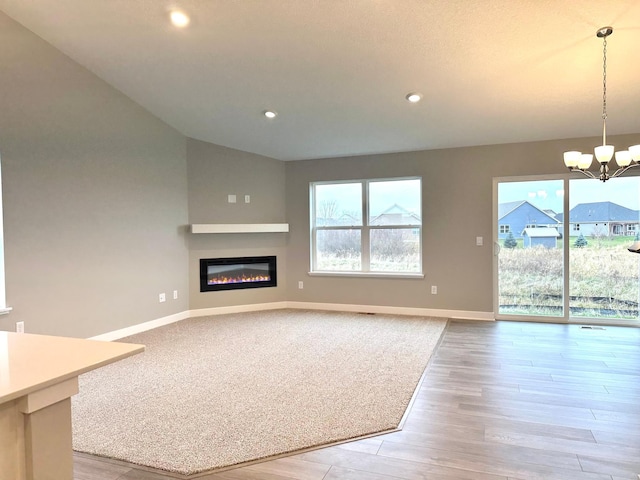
{"type": "Point", "coordinates": [5, 310]}
{"type": "Point", "coordinates": [367, 274]}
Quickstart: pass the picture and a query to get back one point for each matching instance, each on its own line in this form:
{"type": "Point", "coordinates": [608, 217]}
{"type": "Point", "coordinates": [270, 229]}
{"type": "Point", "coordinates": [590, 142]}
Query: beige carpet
{"type": "Point", "coordinates": [222, 390]}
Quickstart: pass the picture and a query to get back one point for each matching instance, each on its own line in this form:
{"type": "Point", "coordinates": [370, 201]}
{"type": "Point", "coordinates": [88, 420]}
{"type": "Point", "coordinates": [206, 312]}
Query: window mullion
{"type": "Point", "coordinates": [365, 235]}
{"type": "Point", "coordinates": [566, 221]}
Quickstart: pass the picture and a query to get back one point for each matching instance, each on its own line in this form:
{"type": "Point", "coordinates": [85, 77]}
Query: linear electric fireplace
{"type": "Point", "coordinates": [237, 272]}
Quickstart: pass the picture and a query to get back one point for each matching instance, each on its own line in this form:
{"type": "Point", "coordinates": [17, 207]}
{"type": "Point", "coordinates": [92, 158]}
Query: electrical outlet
{"type": "Point", "coordinates": [434, 290]}
{"type": "Point", "coordinates": [231, 198]}
{"type": "Point", "coordinates": [479, 241]}
{"type": "Point", "coordinates": [175, 294]}
{"type": "Point", "coordinates": [300, 285]}
{"type": "Point", "coordinates": [247, 199]}
{"type": "Point", "coordinates": [162, 298]}
{"type": "Point", "coordinates": [20, 327]}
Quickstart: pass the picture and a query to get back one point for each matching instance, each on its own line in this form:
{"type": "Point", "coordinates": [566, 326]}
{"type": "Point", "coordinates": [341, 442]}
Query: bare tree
{"type": "Point", "coordinates": [327, 209]}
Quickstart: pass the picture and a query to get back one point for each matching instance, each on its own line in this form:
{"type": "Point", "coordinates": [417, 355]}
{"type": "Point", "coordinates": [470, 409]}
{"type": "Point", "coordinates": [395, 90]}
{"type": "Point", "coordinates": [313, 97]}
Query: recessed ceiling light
{"type": "Point", "coordinates": [413, 97]}
{"type": "Point", "coordinates": [179, 19]}
{"type": "Point", "coordinates": [270, 114]}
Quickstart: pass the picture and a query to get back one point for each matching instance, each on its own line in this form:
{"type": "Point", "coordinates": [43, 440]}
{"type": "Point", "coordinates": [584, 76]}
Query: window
{"type": "Point", "coordinates": [367, 226]}
{"type": "Point", "coordinates": [505, 228]}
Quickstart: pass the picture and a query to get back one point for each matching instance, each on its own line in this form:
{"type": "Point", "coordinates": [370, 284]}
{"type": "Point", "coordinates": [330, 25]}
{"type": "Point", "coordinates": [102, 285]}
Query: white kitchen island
{"type": "Point", "coordinates": [38, 376]}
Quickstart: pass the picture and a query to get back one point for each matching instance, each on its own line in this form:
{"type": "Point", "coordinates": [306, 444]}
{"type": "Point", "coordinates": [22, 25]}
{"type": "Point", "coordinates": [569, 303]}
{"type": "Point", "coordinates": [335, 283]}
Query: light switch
{"type": "Point", "coordinates": [479, 241]}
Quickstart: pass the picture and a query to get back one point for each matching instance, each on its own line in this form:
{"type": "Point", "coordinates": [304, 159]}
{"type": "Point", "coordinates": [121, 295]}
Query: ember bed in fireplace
{"type": "Point", "coordinates": [237, 272]}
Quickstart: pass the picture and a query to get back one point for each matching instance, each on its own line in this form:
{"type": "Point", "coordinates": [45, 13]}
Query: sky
{"type": "Point", "coordinates": [548, 194]}
{"type": "Point", "coordinates": [544, 194]}
{"type": "Point", "coordinates": [383, 194]}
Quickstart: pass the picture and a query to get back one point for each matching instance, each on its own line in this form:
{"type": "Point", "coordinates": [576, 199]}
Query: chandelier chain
{"type": "Point", "coordinates": [604, 78]}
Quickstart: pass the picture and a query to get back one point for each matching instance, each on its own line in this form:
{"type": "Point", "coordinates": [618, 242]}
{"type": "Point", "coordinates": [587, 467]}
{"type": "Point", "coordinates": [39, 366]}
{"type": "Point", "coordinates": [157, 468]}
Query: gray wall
{"type": "Point", "coordinates": [214, 173]}
{"type": "Point", "coordinates": [457, 207]}
{"type": "Point", "coordinates": [98, 194]}
{"type": "Point", "coordinates": [95, 197]}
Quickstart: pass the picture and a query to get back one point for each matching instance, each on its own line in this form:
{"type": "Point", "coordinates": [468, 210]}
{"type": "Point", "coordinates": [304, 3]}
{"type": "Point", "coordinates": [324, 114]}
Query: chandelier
{"type": "Point", "coordinates": [626, 159]}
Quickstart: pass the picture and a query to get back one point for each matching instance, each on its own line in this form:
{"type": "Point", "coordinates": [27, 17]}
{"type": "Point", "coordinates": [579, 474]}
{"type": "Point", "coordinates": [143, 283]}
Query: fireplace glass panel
{"type": "Point", "coordinates": [236, 273]}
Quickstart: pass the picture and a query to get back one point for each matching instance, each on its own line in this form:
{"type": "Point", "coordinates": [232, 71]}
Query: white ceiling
{"type": "Point", "coordinates": [337, 71]}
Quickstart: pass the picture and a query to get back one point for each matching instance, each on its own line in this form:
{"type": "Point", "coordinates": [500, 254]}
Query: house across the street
{"type": "Point", "coordinates": [515, 217]}
{"type": "Point", "coordinates": [603, 219]}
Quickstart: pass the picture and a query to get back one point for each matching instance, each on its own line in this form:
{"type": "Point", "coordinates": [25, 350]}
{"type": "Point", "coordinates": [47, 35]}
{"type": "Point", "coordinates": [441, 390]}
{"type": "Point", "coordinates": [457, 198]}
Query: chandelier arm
{"type": "Point", "coordinates": [586, 173]}
{"type": "Point", "coordinates": [622, 170]}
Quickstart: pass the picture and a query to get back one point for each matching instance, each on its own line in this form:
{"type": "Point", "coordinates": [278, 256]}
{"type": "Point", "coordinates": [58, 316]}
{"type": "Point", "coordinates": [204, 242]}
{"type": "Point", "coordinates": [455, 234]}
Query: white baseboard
{"type": "Point", "coordinates": [419, 312]}
{"type": "Point", "coordinates": [334, 307]}
{"type": "Point", "coordinates": [141, 327]}
{"type": "Point", "coordinates": [203, 312]}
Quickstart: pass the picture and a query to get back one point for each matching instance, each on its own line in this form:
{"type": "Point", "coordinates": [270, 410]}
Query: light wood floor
{"type": "Point", "coordinates": [500, 400]}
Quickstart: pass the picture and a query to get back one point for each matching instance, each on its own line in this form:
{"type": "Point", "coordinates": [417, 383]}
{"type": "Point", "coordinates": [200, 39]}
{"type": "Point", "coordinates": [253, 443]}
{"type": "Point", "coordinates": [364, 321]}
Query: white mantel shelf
{"type": "Point", "coordinates": [239, 228]}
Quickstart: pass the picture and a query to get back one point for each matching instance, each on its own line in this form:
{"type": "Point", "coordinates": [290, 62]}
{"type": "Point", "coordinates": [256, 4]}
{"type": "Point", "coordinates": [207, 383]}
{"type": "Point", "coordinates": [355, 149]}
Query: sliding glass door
{"type": "Point", "coordinates": [582, 269]}
{"type": "Point", "coordinates": [603, 223]}
{"type": "Point", "coordinates": [529, 248]}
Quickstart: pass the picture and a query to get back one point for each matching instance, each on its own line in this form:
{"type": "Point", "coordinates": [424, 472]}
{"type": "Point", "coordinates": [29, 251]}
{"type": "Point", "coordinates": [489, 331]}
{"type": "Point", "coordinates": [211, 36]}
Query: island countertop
{"type": "Point", "coordinates": [30, 362]}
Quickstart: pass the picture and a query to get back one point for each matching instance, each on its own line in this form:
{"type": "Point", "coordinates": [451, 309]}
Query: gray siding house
{"type": "Point", "coordinates": [395, 215]}
{"type": "Point", "coordinates": [515, 217]}
{"type": "Point", "coordinates": [603, 219]}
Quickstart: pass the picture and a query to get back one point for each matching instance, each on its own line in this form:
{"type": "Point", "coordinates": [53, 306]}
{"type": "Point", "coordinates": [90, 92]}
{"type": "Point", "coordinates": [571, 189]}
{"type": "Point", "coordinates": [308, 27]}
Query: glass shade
{"type": "Point", "coordinates": [635, 152]}
{"type": "Point", "coordinates": [572, 158]}
{"type": "Point", "coordinates": [604, 153]}
{"type": "Point", "coordinates": [623, 158]}
{"type": "Point", "coordinates": [585, 161]}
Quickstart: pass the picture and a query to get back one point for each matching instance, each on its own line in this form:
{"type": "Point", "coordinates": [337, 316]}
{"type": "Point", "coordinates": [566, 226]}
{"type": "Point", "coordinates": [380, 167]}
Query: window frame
{"type": "Point", "coordinates": [365, 231]}
{"type": "Point", "coordinates": [4, 309]}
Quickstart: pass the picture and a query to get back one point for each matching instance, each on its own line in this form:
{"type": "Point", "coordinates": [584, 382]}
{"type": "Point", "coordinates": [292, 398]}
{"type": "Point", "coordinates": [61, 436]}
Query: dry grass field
{"type": "Point", "coordinates": [603, 279]}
